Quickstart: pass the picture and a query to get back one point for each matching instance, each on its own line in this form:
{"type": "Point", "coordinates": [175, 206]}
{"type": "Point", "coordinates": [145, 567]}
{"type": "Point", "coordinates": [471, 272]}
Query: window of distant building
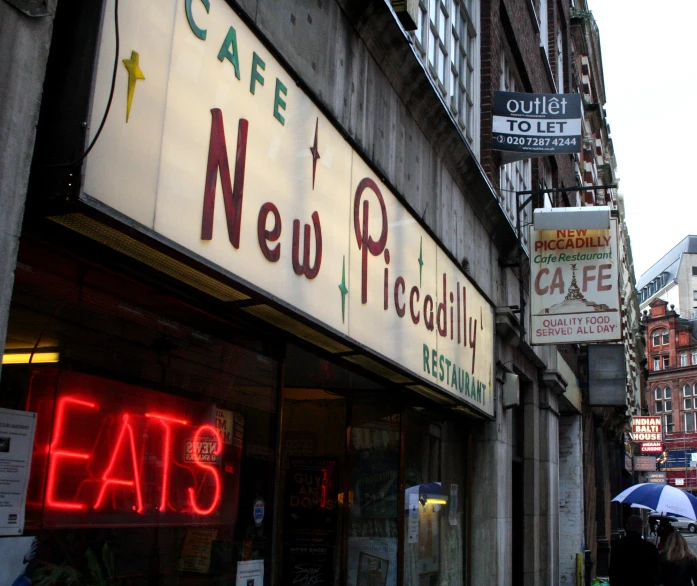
{"type": "Point", "coordinates": [666, 362]}
{"type": "Point", "coordinates": [660, 337]}
{"type": "Point", "coordinates": [694, 295]}
{"type": "Point", "coordinates": [657, 364]}
{"type": "Point", "coordinates": [447, 41]}
{"type": "Point", "coordinates": [683, 358]}
{"type": "Point", "coordinates": [694, 271]}
{"type": "Point", "coordinates": [668, 423]}
{"type": "Point", "coordinates": [663, 399]}
{"type": "Point", "coordinates": [689, 421]}
{"type": "Point", "coordinates": [694, 357]}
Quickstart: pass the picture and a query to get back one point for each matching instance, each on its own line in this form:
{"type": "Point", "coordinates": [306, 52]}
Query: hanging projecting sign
{"type": "Point", "coordinates": [212, 145]}
{"type": "Point", "coordinates": [647, 429]}
{"type": "Point", "coordinates": [575, 286]}
{"type": "Point", "coordinates": [537, 124]}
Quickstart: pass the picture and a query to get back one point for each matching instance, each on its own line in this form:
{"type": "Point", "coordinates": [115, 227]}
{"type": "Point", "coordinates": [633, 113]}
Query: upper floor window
{"type": "Point", "coordinates": [694, 271]}
{"type": "Point", "coordinates": [694, 295]}
{"type": "Point", "coordinates": [657, 363]}
{"type": "Point", "coordinates": [447, 41]}
{"type": "Point", "coordinates": [660, 337]}
{"type": "Point", "coordinates": [662, 398]}
{"type": "Point", "coordinates": [666, 362]}
{"type": "Point", "coordinates": [683, 358]}
{"type": "Point", "coordinates": [694, 357]}
{"type": "Point", "coordinates": [560, 62]}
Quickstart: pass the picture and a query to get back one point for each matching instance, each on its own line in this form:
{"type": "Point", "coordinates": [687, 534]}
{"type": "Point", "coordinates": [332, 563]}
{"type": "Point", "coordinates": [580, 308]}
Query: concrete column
{"type": "Point", "coordinates": [491, 501]}
{"type": "Point", "coordinates": [531, 485]}
{"type": "Point", "coordinates": [571, 518]}
{"type": "Point", "coordinates": [24, 45]}
{"type": "Point", "coordinates": [549, 486]}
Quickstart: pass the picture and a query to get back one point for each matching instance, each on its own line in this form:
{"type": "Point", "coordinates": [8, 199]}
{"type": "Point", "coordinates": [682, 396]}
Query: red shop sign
{"type": "Point", "coordinates": [651, 447]}
{"type": "Point", "coordinates": [108, 454]}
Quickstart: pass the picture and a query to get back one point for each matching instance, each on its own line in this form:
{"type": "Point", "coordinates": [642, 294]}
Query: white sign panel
{"type": "Point", "coordinates": [16, 444]}
{"type": "Point", "coordinates": [575, 286]}
{"type": "Point", "coordinates": [213, 145]}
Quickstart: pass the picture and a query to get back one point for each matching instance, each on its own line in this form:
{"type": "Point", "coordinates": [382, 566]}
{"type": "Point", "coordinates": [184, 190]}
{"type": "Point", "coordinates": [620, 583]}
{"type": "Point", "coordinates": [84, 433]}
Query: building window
{"type": "Point", "coordinates": [660, 337]}
{"type": "Point", "coordinates": [694, 390]}
{"type": "Point", "coordinates": [666, 362]}
{"type": "Point", "coordinates": [694, 271]}
{"type": "Point", "coordinates": [694, 357]}
{"type": "Point", "coordinates": [560, 62]}
{"type": "Point", "coordinates": [683, 358]}
{"type": "Point", "coordinates": [666, 337]}
{"type": "Point", "coordinates": [447, 41]}
{"type": "Point", "coordinates": [686, 391]}
{"type": "Point", "coordinates": [663, 400]}
{"type": "Point", "coordinates": [668, 423]}
{"type": "Point", "coordinates": [694, 295]}
{"type": "Point", "coordinates": [657, 364]}
{"type": "Point", "coordinates": [689, 421]}
{"type": "Point", "coordinates": [515, 176]}
{"type": "Point", "coordinates": [687, 404]}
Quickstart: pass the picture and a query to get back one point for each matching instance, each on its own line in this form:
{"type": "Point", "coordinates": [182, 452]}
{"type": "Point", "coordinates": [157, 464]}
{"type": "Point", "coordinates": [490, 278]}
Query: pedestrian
{"type": "Point", "coordinates": [678, 563]}
{"type": "Point", "coordinates": [665, 529]}
{"type": "Point", "coordinates": [652, 525]}
{"type": "Point", "coordinates": [633, 560]}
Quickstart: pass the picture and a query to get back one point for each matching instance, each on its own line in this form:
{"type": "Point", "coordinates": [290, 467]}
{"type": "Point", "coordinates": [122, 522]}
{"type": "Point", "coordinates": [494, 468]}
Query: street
{"type": "Point", "coordinates": [691, 539]}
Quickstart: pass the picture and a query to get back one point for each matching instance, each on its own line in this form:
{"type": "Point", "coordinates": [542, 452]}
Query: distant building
{"type": "Point", "coordinates": [671, 386]}
{"type": "Point", "coordinates": [673, 279]}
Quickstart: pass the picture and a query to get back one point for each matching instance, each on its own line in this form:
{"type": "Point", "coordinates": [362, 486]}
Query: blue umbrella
{"type": "Point", "coordinates": [661, 498]}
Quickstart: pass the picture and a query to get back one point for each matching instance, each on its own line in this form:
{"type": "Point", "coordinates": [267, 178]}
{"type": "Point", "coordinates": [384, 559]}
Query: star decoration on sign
{"type": "Point", "coordinates": [421, 259]}
{"type": "Point", "coordinates": [134, 74]}
{"type": "Point", "coordinates": [344, 291]}
{"type": "Point", "coordinates": [315, 154]}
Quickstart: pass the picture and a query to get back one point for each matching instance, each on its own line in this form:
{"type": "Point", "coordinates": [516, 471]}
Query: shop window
{"type": "Point", "coordinates": [156, 433]}
{"type": "Point", "coordinates": [434, 518]}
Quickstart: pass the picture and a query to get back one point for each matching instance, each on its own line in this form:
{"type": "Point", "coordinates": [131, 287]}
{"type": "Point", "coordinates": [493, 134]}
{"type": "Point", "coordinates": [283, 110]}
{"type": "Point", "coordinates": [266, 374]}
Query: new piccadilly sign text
{"type": "Point", "coordinates": [221, 153]}
{"type": "Point", "coordinates": [575, 286]}
{"type": "Point", "coordinates": [537, 124]}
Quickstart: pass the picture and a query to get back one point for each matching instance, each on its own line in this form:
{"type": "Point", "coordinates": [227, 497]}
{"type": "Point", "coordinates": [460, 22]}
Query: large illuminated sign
{"type": "Point", "coordinates": [107, 453]}
{"type": "Point", "coordinates": [219, 151]}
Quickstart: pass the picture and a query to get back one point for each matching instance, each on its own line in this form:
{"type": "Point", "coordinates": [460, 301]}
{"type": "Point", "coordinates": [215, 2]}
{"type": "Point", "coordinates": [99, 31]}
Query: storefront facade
{"type": "Point", "coordinates": [267, 365]}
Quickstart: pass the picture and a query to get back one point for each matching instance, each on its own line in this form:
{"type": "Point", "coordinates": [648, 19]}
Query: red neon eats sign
{"type": "Point", "coordinates": [111, 454]}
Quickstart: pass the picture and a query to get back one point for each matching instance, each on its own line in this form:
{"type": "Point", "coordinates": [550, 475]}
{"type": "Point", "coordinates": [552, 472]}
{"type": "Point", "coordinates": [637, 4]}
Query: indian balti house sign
{"type": "Point", "coordinates": [216, 150]}
{"type": "Point", "coordinates": [575, 286]}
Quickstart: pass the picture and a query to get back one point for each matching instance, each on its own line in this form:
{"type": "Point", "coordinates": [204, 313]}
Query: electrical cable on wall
{"type": "Point", "coordinates": [111, 94]}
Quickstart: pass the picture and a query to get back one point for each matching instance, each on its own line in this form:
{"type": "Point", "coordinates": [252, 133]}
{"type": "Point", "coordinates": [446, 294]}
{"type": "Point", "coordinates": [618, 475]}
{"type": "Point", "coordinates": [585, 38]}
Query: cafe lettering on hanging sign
{"type": "Point", "coordinates": [537, 124]}
{"type": "Point", "coordinates": [647, 429]}
{"type": "Point", "coordinates": [575, 295]}
{"type": "Point", "coordinates": [221, 153]}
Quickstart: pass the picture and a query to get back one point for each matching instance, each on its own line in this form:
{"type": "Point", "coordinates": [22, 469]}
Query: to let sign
{"type": "Point", "coordinates": [538, 124]}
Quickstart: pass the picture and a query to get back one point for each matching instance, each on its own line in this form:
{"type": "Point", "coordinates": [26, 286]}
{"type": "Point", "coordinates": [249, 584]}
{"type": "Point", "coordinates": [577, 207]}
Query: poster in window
{"type": "Point", "coordinates": [311, 495]}
{"type": "Point", "coordinates": [308, 565]}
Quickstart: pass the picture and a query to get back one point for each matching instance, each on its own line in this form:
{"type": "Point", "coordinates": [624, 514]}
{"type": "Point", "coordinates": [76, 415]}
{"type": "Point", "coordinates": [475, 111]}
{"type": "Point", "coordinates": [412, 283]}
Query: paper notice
{"type": "Point", "coordinates": [250, 573]}
{"type": "Point", "coordinates": [16, 445]}
{"type": "Point", "coordinates": [196, 553]}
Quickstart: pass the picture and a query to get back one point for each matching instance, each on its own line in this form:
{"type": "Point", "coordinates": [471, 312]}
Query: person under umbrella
{"type": "Point", "coordinates": [633, 560]}
{"type": "Point", "coordinates": [678, 563]}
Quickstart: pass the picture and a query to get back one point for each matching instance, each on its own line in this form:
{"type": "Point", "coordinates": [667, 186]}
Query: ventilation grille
{"type": "Point", "coordinates": [149, 256]}
{"type": "Point", "coordinates": [378, 368]}
{"type": "Point", "coordinates": [281, 320]}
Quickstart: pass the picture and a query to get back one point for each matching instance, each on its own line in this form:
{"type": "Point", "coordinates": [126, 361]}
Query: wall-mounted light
{"type": "Point", "coordinates": [24, 356]}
